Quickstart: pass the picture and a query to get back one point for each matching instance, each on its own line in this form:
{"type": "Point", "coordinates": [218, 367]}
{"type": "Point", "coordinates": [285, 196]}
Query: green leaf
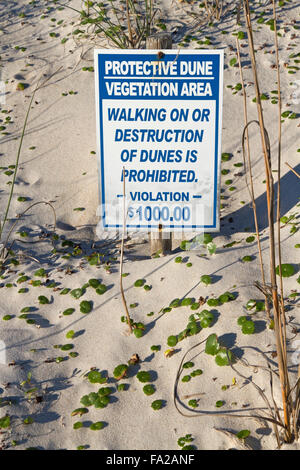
{"type": "Point", "coordinates": [157, 404]}
{"type": "Point", "coordinates": [28, 420]}
{"type": "Point", "coordinates": [213, 302]}
{"type": "Point", "coordinates": [204, 238]}
{"type": "Point", "coordinates": [67, 347]}
{"type": "Point", "coordinates": [7, 317]}
{"type": "Point", "coordinates": [184, 245]}
{"type": "Point", "coordinates": [186, 302]}
{"type": "Point", "coordinates": [250, 304]}
{"type": "Point", "coordinates": [224, 298]}
{"type": "Point", "coordinates": [287, 270]}
{"type": "Point", "coordinates": [104, 391]}
{"type": "Point", "coordinates": [94, 283]}
{"type": "Point", "coordinates": [188, 364]}
{"type": "Point", "coordinates": [186, 378]}
{"type": "Point", "coordinates": [40, 272]}
{"type": "Point", "coordinates": [247, 259]}
{"type": "Point", "coordinates": [79, 411]}
{"type": "Point", "coordinates": [70, 334]}
{"type": "Point", "coordinates": [223, 357]}
{"type": "Point", "coordinates": [22, 279]}
{"type": "Point", "coordinates": [85, 306]}
{"type": "Point", "coordinates": [196, 372]}
{"type": "Point", "coordinates": [243, 434]}
{"type": "Point", "coordinates": [148, 389]}
{"type": "Point", "coordinates": [172, 341]}
{"type": "Point", "coordinates": [21, 86]}
{"type": "Point", "coordinates": [102, 402]}
{"type": "Point", "coordinates": [85, 400]}
{"type": "Point", "coordinates": [65, 291]}
{"type": "Point", "coordinates": [68, 311]}
{"type": "Point", "coordinates": [205, 279]}
{"type": "Point", "coordinates": [122, 387]}
{"type": "Point", "coordinates": [241, 35]}
{"type": "Point", "coordinates": [260, 306]}
{"type": "Point", "coordinates": [219, 403]}
{"type": "Point", "coordinates": [175, 303]}
{"type": "Point", "coordinates": [77, 425]}
{"type": "Point", "coordinates": [193, 328]}
{"type": "Point", "coordinates": [97, 426]}
{"type": "Point", "coordinates": [211, 248]}
{"type": "Point", "coordinates": [120, 371]}
{"type": "Point", "coordinates": [207, 321]}
{"type": "Point", "coordinates": [143, 376]}
{"type": "Point", "coordinates": [43, 300]}
{"type": "Point", "coordinates": [248, 327]}
{"type": "Point", "coordinates": [101, 289]}
{"type": "Point", "coordinates": [76, 293]}
{"type": "Point", "coordinates": [195, 306]}
{"type": "Point", "coordinates": [4, 422]}
{"type": "Point", "coordinates": [193, 403]}
{"type": "Point", "coordinates": [138, 333]}
{"type": "Point", "coordinates": [241, 320]}
{"type": "Point", "coordinates": [212, 345]}
{"type": "Point", "coordinates": [181, 441]}
{"type": "Point", "coordinates": [139, 283]}
{"type": "Point", "coordinates": [95, 377]}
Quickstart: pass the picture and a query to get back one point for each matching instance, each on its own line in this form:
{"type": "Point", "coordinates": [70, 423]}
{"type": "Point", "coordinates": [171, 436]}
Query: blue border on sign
{"type": "Point", "coordinates": [216, 88]}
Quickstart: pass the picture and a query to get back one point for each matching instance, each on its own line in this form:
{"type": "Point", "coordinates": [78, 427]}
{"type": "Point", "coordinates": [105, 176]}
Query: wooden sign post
{"type": "Point", "coordinates": [161, 241]}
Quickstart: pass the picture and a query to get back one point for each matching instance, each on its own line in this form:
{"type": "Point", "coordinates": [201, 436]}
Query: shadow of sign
{"type": "Point", "coordinates": [243, 217]}
{"type": "Point", "coordinates": [10, 341]}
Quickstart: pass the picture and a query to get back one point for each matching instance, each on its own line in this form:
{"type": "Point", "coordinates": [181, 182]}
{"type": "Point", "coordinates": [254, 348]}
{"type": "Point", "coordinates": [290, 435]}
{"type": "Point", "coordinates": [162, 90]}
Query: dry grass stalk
{"type": "Point", "coordinates": [278, 307]}
{"type": "Point", "coordinates": [271, 416]}
{"type": "Point", "coordinates": [251, 188]}
{"type": "Point", "coordinates": [214, 9]}
{"type": "Point", "coordinates": [129, 23]}
{"type": "Point", "coordinates": [283, 319]}
{"type": "Point", "coordinates": [292, 169]}
{"type": "Point", "coordinates": [122, 255]}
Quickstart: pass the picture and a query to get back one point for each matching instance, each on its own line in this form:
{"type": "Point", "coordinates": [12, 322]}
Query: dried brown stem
{"type": "Point", "coordinates": [292, 169]}
{"type": "Point", "coordinates": [251, 189]}
{"type": "Point", "coordinates": [122, 255]}
{"type": "Point", "coordinates": [129, 24]}
{"type": "Point", "coordinates": [278, 326]}
{"type": "Point", "coordinates": [269, 418]}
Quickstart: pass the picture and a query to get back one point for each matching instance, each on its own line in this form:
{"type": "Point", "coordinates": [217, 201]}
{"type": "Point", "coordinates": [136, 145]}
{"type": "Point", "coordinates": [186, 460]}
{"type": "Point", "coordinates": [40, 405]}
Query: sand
{"type": "Point", "coordinates": [58, 165]}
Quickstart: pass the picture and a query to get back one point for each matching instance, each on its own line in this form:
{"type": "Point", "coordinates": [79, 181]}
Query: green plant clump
{"type": "Point", "coordinates": [149, 389]}
{"type": "Point", "coordinates": [287, 270]}
{"type": "Point", "coordinates": [97, 426]}
{"type": "Point", "coordinates": [206, 279]}
{"type": "Point", "coordinates": [120, 371]}
{"type": "Point", "coordinates": [172, 341]}
{"type": "Point", "coordinates": [143, 376]}
{"type": "Point", "coordinates": [95, 377]}
{"type": "Point", "coordinates": [85, 306]}
{"type": "Point", "coordinates": [157, 405]}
